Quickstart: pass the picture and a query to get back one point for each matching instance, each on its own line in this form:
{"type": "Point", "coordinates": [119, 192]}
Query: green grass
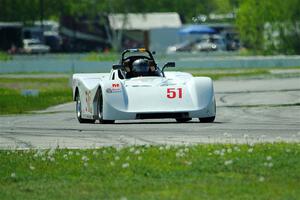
{"type": "Point", "coordinates": [4, 56]}
{"type": "Point", "coordinates": [217, 73]}
{"type": "Point", "coordinates": [219, 171]}
{"type": "Point", "coordinates": [52, 91]}
{"type": "Point", "coordinates": [95, 56]}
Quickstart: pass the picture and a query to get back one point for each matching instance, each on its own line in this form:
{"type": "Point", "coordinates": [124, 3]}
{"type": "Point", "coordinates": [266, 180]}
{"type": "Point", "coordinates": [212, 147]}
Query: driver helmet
{"type": "Point", "coordinates": [140, 66]}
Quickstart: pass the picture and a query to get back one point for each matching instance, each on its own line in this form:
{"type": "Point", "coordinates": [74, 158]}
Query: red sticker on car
{"type": "Point", "coordinates": [115, 85]}
{"type": "Point", "coordinates": [173, 93]}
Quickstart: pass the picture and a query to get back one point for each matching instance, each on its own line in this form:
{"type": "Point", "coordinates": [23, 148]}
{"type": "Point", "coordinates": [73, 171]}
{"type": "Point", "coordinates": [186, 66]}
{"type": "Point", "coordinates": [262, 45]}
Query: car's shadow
{"type": "Point", "coordinates": [157, 122]}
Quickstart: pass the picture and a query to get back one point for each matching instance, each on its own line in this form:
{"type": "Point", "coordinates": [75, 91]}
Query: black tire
{"type": "Point", "coordinates": [183, 120]}
{"type": "Point", "coordinates": [78, 112]}
{"type": "Point", "coordinates": [207, 119]}
{"type": "Point", "coordinates": [100, 110]}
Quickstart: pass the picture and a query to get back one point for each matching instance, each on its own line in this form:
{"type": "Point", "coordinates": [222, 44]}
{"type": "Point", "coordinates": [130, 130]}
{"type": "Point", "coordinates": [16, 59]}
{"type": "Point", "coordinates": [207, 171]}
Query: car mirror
{"type": "Point", "coordinates": [169, 64]}
{"type": "Point", "coordinates": [117, 66]}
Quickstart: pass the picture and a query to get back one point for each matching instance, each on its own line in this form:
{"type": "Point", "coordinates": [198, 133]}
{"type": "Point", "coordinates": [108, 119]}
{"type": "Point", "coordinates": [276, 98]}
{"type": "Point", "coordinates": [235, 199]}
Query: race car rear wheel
{"type": "Point", "coordinates": [100, 110]}
{"type": "Point", "coordinates": [183, 120]}
{"type": "Point", "coordinates": [79, 112]}
{"type": "Point", "coordinates": [207, 119]}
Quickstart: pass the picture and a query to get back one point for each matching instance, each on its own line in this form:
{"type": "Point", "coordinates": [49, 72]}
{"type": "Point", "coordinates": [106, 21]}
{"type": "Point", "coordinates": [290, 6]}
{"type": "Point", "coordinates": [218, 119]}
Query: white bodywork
{"type": "Point", "coordinates": [177, 95]}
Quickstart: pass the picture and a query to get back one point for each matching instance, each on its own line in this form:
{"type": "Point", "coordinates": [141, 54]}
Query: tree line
{"type": "Point", "coordinates": [265, 26]}
{"type": "Point", "coordinates": [29, 10]}
{"type": "Point", "coordinates": [270, 26]}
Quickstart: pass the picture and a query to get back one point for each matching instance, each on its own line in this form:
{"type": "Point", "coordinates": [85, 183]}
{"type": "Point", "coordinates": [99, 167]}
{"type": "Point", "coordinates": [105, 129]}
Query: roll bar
{"type": "Point", "coordinates": [141, 50]}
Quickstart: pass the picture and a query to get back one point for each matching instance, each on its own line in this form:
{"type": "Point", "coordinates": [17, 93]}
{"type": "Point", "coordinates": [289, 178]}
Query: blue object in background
{"type": "Point", "coordinates": [196, 29]}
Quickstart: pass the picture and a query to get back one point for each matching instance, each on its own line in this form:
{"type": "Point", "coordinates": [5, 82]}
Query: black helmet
{"type": "Point", "coordinates": [140, 66]}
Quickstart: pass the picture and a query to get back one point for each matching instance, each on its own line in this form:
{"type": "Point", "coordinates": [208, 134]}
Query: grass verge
{"type": "Point", "coordinates": [216, 75]}
{"type": "Point", "coordinates": [95, 56]}
{"type": "Point", "coordinates": [52, 91]}
{"type": "Point", "coordinates": [213, 171]}
{"type": "Point", "coordinates": [5, 56]}
{"type": "Point", "coordinates": [264, 72]}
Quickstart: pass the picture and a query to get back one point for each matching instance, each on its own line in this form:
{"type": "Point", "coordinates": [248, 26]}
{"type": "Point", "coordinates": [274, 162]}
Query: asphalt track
{"type": "Point", "coordinates": [248, 111]}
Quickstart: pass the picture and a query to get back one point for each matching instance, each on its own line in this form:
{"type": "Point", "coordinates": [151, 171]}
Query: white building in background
{"type": "Point", "coordinates": [155, 31]}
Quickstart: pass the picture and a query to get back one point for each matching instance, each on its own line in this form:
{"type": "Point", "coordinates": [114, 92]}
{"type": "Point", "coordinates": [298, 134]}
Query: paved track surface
{"type": "Point", "coordinates": [247, 111]}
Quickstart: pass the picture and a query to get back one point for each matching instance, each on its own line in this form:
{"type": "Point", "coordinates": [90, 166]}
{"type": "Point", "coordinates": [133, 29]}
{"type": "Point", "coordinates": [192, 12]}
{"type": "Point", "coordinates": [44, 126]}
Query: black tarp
{"type": "Point", "coordinates": [10, 35]}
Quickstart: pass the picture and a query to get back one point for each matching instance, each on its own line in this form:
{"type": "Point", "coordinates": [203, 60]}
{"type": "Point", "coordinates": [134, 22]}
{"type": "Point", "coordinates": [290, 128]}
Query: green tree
{"type": "Point", "coordinates": [250, 24]}
{"type": "Point", "coordinates": [270, 26]}
{"type": "Point", "coordinates": [29, 10]}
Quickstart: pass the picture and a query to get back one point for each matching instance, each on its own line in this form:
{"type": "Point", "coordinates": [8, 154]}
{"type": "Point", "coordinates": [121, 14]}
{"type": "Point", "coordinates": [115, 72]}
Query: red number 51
{"type": "Point", "coordinates": [174, 93]}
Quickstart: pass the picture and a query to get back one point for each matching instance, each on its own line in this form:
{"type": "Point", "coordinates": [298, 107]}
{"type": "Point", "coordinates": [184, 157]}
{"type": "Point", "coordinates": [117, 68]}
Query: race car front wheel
{"type": "Point", "coordinates": [79, 112]}
{"type": "Point", "coordinates": [207, 119]}
{"type": "Point", "coordinates": [100, 109]}
{"type": "Point", "coordinates": [183, 120]}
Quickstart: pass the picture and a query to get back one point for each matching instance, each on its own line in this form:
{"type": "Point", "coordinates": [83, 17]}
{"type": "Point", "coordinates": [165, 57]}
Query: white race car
{"type": "Point", "coordinates": [137, 88]}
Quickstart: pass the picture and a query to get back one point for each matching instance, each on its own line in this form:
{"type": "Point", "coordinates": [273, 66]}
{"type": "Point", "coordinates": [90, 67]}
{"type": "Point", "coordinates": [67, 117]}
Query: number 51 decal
{"type": "Point", "coordinates": [173, 93]}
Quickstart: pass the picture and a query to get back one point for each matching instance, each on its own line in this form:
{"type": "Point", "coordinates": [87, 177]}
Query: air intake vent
{"type": "Point", "coordinates": [162, 115]}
